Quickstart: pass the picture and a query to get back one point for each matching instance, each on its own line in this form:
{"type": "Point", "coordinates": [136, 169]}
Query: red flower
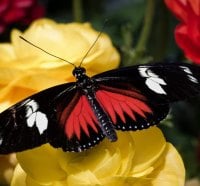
{"type": "Point", "coordinates": [19, 11]}
{"type": "Point", "coordinates": [187, 32]}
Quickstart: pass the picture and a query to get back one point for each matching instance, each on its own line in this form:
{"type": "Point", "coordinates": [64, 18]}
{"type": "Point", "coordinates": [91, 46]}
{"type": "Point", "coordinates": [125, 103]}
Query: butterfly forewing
{"type": "Point", "coordinates": [161, 83]}
{"type": "Point", "coordinates": [31, 122]}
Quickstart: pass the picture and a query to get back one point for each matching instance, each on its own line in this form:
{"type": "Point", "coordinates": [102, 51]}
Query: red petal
{"type": "Point", "coordinates": [195, 4]}
{"type": "Point", "coordinates": [178, 7]}
{"type": "Point", "coordinates": [191, 48]}
{"type": "Point", "coordinates": [187, 34]}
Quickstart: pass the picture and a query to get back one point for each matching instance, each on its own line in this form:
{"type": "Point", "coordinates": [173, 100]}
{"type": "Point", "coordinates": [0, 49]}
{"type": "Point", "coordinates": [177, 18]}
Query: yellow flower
{"type": "Point", "coordinates": [136, 159]}
{"type": "Point", "coordinates": [25, 70]}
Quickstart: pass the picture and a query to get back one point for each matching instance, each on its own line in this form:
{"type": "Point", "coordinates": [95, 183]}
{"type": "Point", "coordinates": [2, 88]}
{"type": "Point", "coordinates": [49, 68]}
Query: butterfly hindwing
{"type": "Point", "coordinates": [80, 128]}
{"type": "Point", "coordinates": [129, 109]}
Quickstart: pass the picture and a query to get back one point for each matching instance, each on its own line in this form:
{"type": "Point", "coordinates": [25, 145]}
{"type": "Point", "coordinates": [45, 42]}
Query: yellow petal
{"type": "Point", "coordinates": [170, 169]}
{"type": "Point", "coordinates": [106, 156]}
{"type": "Point", "coordinates": [7, 53]}
{"type": "Point", "coordinates": [85, 178]}
{"type": "Point", "coordinates": [41, 164]}
{"type": "Point", "coordinates": [101, 165]}
{"type": "Point", "coordinates": [19, 177]}
{"type": "Point", "coordinates": [149, 145]}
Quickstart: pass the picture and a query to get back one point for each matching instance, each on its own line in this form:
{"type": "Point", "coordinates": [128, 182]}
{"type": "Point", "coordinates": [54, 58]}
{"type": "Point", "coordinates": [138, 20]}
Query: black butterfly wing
{"type": "Point", "coordinates": [31, 122]}
{"type": "Point", "coordinates": [138, 97]}
{"type": "Point", "coordinates": [60, 115]}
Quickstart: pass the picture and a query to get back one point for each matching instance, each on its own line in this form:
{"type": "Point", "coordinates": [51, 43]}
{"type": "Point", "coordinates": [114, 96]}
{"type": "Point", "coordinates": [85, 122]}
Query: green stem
{"type": "Point", "coordinates": [77, 10]}
{"type": "Point", "coordinates": [148, 19]}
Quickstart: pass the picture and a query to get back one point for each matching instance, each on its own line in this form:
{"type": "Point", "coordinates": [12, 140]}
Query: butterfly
{"type": "Point", "coordinates": [78, 115]}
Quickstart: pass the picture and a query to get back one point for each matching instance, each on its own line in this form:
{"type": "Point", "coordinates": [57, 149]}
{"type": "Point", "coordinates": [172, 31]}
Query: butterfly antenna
{"type": "Point", "coordinates": [45, 51]}
{"type": "Point", "coordinates": [93, 42]}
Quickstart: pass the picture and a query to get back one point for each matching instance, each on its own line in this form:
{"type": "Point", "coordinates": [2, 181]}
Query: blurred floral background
{"type": "Point", "coordinates": [142, 31]}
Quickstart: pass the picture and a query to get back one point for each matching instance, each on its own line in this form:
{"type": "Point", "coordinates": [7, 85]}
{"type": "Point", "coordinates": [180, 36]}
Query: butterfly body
{"type": "Point", "coordinates": [78, 115]}
{"type": "Point", "coordinates": [88, 87]}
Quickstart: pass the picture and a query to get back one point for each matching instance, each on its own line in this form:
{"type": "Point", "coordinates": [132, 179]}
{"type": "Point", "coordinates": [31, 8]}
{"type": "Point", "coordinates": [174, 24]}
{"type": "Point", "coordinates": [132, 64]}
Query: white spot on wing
{"type": "Point", "coordinates": [1, 141]}
{"type": "Point", "coordinates": [142, 71]}
{"type": "Point", "coordinates": [31, 120]}
{"type": "Point", "coordinates": [39, 119]}
{"type": "Point", "coordinates": [153, 81]}
{"type": "Point", "coordinates": [31, 107]}
{"type": "Point", "coordinates": [193, 79]}
{"type": "Point", "coordinates": [189, 74]}
{"type": "Point", "coordinates": [35, 117]}
{"type": "Point", "coordinates": [186, 69]}
{"type": "Point", "coordinates": [155, 86]}
{"type": "Point", "coordinates": [41, 122]}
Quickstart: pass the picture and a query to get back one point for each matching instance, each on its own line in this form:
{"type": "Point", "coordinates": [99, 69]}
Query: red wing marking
{"type": "Point", "coordinates": [118, 104]}
{"type": "Point", "coordinates": [79, 119]}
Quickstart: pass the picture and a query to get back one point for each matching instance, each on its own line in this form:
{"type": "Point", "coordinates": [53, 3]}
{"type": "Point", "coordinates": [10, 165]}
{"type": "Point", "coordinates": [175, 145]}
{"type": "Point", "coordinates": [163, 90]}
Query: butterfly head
{"type": "Point", "coordinates": [79, 72]}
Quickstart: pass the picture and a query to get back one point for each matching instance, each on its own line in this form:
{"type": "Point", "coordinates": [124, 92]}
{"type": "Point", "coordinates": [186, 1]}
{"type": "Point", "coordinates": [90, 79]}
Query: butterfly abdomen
{"type": "Point", "coordinates": [104, 120]}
